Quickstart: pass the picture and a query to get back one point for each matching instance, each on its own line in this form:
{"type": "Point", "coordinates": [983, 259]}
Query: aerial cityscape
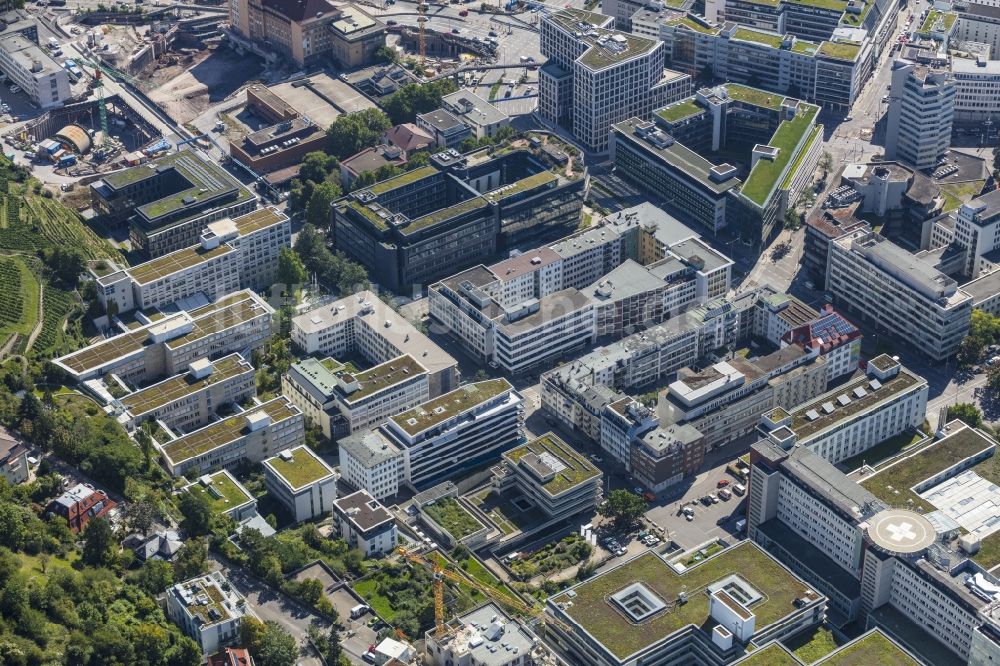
{"type": "Point", "coordinates": [453, 333]}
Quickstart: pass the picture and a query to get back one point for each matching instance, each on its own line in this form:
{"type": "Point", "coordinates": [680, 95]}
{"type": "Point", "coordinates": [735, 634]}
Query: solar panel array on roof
{"type": "Point", "coordinates": [831, 326]}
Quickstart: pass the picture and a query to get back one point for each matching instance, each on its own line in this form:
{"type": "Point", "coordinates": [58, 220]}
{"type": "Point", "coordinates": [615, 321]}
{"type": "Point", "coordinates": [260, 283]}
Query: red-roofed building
{"type": "Point", "coordinates": [832, 336]}
{"type": "Point", "coordinates": [231, 657]}
{"type": "Point", "coordinates": [81, 504]}
{"type": "Point", "coordinates": [408, 137]}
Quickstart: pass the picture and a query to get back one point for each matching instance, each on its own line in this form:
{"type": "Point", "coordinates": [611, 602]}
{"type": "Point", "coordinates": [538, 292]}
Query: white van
{"type": "Point", "coordinates": [53, 43]}
{"type": "Point", "coordinates": [359, 610]}
{"type": "Point", "coordinates": [739, 489]}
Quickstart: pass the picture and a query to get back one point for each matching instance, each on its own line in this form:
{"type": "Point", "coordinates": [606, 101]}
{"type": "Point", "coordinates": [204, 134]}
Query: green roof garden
{"type": "Point", "coordinates": [754, 96]}
{"type": "Point", "coordinates": [383, 376]}
{"type": "Point", "coordinates": [872, 649]}
{"type": "Point", "coordinates": [680, 110]}
{"type": "Point", "coordinates": [368, 214]}
{"type": "Point", "coordinates": [224, 493]}
{"type": "Point", "coordinates": [852, 19]}
{"type": "Point", "coordinates": [765, 38]}
{"type": "Point", "coordinates": [215, 610]}
{"type": "Point", "coordinates": [168, 264]}
{"type": "Point", "coordinates": [220, 433]}
{"type": "Point", "coordinates": [170, 390]}
{"type": "Point", "coordinates": [221, 319]}
{"type": "Point", "coordinates": [772, 654]}
{"type": "Point", "coordinates": [767, 173]}
{"type": "Point", "coordinates": [581, 15]}
{"type": "Point", "coordinates": [451, 404]}
{"type": "Point", "coordinates": [947, 20]}
{"type": "Point", "coordinates": [786, 183]}
{"type": "Point", "coordinates": [832, 5]}
{"type": "Point", "coordinates": [299, 468]}
{"type": "Point", "coordinates": [597, 614]}
{"type": "Point", "coordinates": [694, 25]}
{"type": "Point", "coordinates": [576, 469]}
{"type": "Point", "coordinates": [533, 181]}
{"type": "Point", "coordinates": [803, 46]}
{"type": "Point", "coordinates": [257, 220]}
{"type": "Point", "coordinates": [452, 516]}
{"type": "Point", "coordinates": [404, 178]}
{"type": "Point", "coordinates": [628, 46]}
{"type": "Point", "coordinates": [840, 50]}
{"type": "Point", "coordinates": [444, 214]}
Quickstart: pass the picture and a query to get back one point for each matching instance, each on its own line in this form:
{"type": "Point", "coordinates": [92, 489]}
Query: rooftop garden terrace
{"type": "Point", "coordinates": [619, 47]}
{"type": "Point", "coordinates": [531, 182]}
{"type": "Point", "coordinates": [840, 50]}
{"type": "Point", "coordinates": [765, 38]}
{"type": "Point", "coordinates": [576, 468]}
{"type": "Point", "coordinates": [680, 110]}
{"type": "Point", "coordinates": [303, 468]}
{"type": "Point", "coordinates": [220, 433]}
{"type": "Point", "coordinates": [938, 21]}
{"type": "Point", "coordinates": [754, 96]}
{"type": "Point", "coordinates": [452, 516]}
{"type": "Point", "coordinates": [767, 173]}
{"type": "Point", "coordinates": [212, 612]}
{"type": "Point", "coordinates": [853, 20]}
{"type": "Point", "coordinates": [593, 611]}
{"type": "Point", "coordinates": [451, 404]}
{"type": "Point", "coordinates": [404, 178]}
{"type": "Point", "coordinates": [802, 46]}
{"type": "Point", "coordinates": [223, 494]}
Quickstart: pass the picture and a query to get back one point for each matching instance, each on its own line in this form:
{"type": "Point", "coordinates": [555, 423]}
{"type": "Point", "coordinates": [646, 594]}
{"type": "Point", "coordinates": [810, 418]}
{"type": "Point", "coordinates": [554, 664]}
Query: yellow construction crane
{"type": "Point", "coordinates": [440, 574]}
{"type": "Point", "coordinates": [422, 39]}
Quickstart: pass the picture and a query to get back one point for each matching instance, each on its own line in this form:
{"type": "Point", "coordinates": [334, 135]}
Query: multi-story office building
{"type": "Point", "coordinates": [550, 474]}
{"type": "Point", "coordinates": [41, 78]}
{"type": "Point", "coordinates": [237, 322]}
{"type": "Point", "coordinates": [832, 337]}
{"type": "Point", "coordinates": [905, 570]}
{"type": "Point", "coordinates": [649, 611]}
{"type": "Point", "coordinates": [901, 293]}
{"type": "Point", "coordinates": [597, 76]}
{"type": "Point", "coordinates": [887, 401]}
{"type": "Point", "coordinates": [308, 33]}
{"type": "Point", "coordinates": [821, 231]}
{"type": "Point", "coordinates": [665, 455]}
{"type": "Point", "coordinates": [977, 233]}
{"type": "Point", "coordinates": [169, 201]}
{"type": "Point", "coordinates": [456, 432]}
{"type": "Point", "coordinates": [254, 434]}
{"type": "Point", "coordinates": [19, 21]}
{"type": "Point", "coordinates": [341, 400]}
{"type": "Point", "coordinates": [365, 524]}
{"type": "Point", "coordinates": [482, 117]}
{"type": "Point", "coordinates": [209, 610]}
{"type": "Point", "coordinates": [369, 461]}
{"type": "Point", "coordinates": [363, 324]}
{"type": "Point", "coordinates": [977, 91]}
{"type": "Point", "coordinates": [921, 110]}
{"type": "Point", "coordinates": [232, 254]}
{"type": "Point", "coordinates": [188, 401]}
{"type": "Point", "coordinates": [460, 210]}
{"type": "Point", "coordinates": [302, 482]}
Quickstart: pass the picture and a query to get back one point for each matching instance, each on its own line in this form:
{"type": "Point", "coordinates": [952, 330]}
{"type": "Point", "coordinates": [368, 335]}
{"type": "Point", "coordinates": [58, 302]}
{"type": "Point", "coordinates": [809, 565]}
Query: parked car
{"type": "Point", "coordinates": [739, 489]}
{"type": "Point", "coordinates": [713, 498]}
{"type": "Point", "coordinates": [464, 12]}
{"type": "Point", "coordinates": [493, 33]}
{"type": "Point", "coordinates": [637, 490]}
{"type": "Point", "coordinates": [724, 494]}
{"type": "Point", "coordinates": [649, 497]}
{"type": "Point", "coordinates": [722, 483]}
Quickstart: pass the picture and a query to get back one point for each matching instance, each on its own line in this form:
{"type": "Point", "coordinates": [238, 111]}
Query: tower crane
{"type": "Point", "coordinates": [441, 573]}
{"type": "Point", "coordinates": [422, 38]}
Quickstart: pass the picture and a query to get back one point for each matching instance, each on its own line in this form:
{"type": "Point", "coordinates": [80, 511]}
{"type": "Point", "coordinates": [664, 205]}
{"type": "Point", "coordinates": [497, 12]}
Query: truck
{"type": "Point", "coordinates": [67, 160]}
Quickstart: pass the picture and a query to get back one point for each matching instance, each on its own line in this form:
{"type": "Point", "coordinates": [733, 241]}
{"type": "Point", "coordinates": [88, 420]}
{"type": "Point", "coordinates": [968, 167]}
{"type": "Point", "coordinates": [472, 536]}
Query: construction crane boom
{"type": "Point", "coordinates": [422, 39]}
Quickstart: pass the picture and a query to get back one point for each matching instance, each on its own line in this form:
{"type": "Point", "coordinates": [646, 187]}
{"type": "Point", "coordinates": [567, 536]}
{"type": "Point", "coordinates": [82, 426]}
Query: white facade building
{"type": "Point", "coordinates": [977, 231]}
{"type": "Point", "coordinates": [209, 610]}
{"type": "Point", "coordinates": [43, 79]}
{"type": "Point", "coordinates": [365, 524]}
{"type": "Point", "coordinates": [302, 481]}
{"type": "Point", "coordinates": [921, 111]}
{"type": "Point", "coordinates": [369, 461]}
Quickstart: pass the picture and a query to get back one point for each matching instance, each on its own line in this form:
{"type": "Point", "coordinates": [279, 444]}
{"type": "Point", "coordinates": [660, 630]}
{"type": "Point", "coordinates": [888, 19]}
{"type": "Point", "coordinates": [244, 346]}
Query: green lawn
{"type": "Point", "coordinates": [452, 516]}
{"type": "Point", "coordinates": [810, 646]}
{"type": "Point", "coordinates": [19, 298]}
{"type": "Point", "coordinates": [840, 50]}
{"type": "Point", "coordinates": [774, 41]}
{"type": "Point", "coordinates": [955, 194]}
{"type": "Point", "coordinates": [763, 179]}
{"type": "Point", "coordinates": [679, 111]}
{"type": "Point", "coordinates": [368, 589]}
{"type": "Point", "coordinates": [31, 565]}
{"type": "Point", "coordinates": [882, 451]}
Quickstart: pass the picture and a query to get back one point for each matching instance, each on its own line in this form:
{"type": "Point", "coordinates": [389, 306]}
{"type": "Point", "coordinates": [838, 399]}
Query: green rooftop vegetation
{"type": "Point", "coordinates": [767, 39]}
{"type": "Point", "coordinates": [173, 389]}
{"type": "Point", "coordinates": [368, 213]}
{"type": "Point", "coordinates": [772, 654]}
{"type": "Point", "coordinates": [257, 220]}
{"type": "Point", "coordinates": [802, 46]}
{"type": "Point", "coordinates": [130, 175]}
{"type": "Point", "coordinates": [223, 494]}
{"type": "Point", "coordinates": [694, 25]}
{"type": "Point", "coordinates": [840, 50]}
{"type": "Point", "coordinates": [604, 621]}
{"type": "Point", "coordinates": [755, 96]}
{"type": "Point", "coordinates": [853, 20]}
{"type": "Point", "coordinates": [384, 375]}
{"type": "Point", "coordinates": [577, 469]}
{"type": "Point", "coordinates": [832, 5]}
{"type": "Point", "coordinates": [892, 484]}
{"type": "Point", "coordinates": [444, 407]}
{"type": "Point", "coordinates": [215, 602]}
{"type": "Point", "coordinates": [884, 450]}
{"type": "Point", "coordinates": [872, 649]}
{"type": "Point", "coordinates": [930, 23]}
{"type": "Point", "coordinates": [766, 174]}
{"type": "Point", "coordinates": [628, 46]}
{"type": "Point", "coordinates": [805, 427]}
{"type": "Point", "coordinates": [404, 178]}
{"type": "Point", "coordinates": [303, 468]}
{"type": "Point", "coordinates": [452, 516]}
{"type": "Point", "coordinates": [787, 182]}
{"type": "Point", "coordinates": [582, 16]}
{"type": "Point", "coordinates": [221, 319]}
{"type": "Point", "coordinates": [220, 433]}
{"type": "Point", "coordinates": [444, 214]}
{"type": "Point", "coordinates": [813, 644]}
{"type": "Point", "coordinates": [680, 110]}
{"type": "Point", "coordinates": [525, 184]}
{"type": "Point", "coordinates": [168, 264]}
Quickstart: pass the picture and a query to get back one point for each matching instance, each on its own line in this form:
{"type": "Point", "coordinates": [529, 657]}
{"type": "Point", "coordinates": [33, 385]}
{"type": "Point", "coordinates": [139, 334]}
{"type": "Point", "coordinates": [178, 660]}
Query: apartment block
{"type": "Point", "coordinates": [302, 482]}
{"type": "Point", "coordinates": [232, 254]}
{"type": "Point", "coordinates": [362, 324]}
{"type": "Point", "coordinates": [209, 610]}
{"type": "Point", "coordinates": [254, 434]}
{"type": "Point", "coordinates": [486, 635]}
{"type": "Point", "coordinates": [237, 322]}
{"type": "Point", "coordinates": [41, 78]}
{"type": "Point", "coordinates": [833, 337]}
{"type": "Point", "coordinates": [609, 76]}
{"type": "Point", "coordinates": [554, 477]}
{"type": "Point", "coordinates": [905, 295]}
{"type": "Point", "coordinates": [457, 431]}
{"type": "Point", "coordinates": [188, 401]}
{"type": "Point", "coordinates": [977, 234]}
{"type": "Point", "coordinates": [365, 524]}
{"type": "Point", "coordinates": [885, 402]}
{"type": "Point", "coordinates": [663, 456]}
{"type": "Point", "coordinates": [369, 461]}
{"type": "Point", "coordinates": [710, 613]}
{"type": "Point", "coordinates": [921, 110]}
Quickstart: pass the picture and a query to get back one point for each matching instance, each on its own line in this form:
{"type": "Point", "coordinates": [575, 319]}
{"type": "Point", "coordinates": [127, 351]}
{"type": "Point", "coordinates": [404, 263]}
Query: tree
{"type": "Point", "coordinates": [196, 512]}
{"type": "Point", "coordinates": [352, 132]}
{"type": "Point", "coordinates": [993, 377]}
{"type": "Point", "coordinates": [984, 329]}
{"type": "Point", "coordinates": [192, 560]}
{"type": "Point", "coordinates": [966, 412]}
{"type": "Point", "coordinates": [291, 271]}
{"type": "Point", "coordinates": [269, 644]}
{"type": "Point", "coordinates": [826, 164]}
{"type": "Point", "coordinates": [623, 506]}
{"type": "Point", "coordinates": [145, 443]}
{"type": "Point", "coordinates": [386, 54]}
{"type": "Point", "coordinates": [98, 542]}
{"type": "Point", "coordinates": [413, 98]}
{"type": "Point", "coordinates": [318, 208]}
{"type": "Point", "coordinates": [140, 515]}
{"type": "Point", "coordinates": [317, 166]}
{"type": "Point", "coordinates": [154, 576]}
{"type": "Point", "coordinates": [504, 134]}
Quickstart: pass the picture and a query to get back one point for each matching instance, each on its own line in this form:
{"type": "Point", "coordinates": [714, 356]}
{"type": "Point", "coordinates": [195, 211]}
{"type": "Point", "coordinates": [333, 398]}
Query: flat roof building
{"type": "Point", "coordinates": [370, 461]}
{"type": "Point", "coordinates": [41, 78]}
{"type": "Point", "coordinates": [208, 609]}
{"type": "Point", "coordinates": [302, 482]}
{"type": "Point", "coordinates": [486, 635]}
{"type": "Point", "coordinates": [365, 524]}
{"type": "Point", "coordinates": [483, 118]}
{"type": "Point", "coordinates": [225, 495]}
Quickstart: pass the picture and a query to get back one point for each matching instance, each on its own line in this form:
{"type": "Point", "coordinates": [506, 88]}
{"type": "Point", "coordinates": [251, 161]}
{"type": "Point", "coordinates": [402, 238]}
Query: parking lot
{"type": "Point", "coordinates": [708, 522]}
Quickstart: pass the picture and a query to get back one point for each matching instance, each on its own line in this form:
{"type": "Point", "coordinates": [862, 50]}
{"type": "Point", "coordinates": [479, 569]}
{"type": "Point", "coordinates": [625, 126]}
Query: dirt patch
{"type": "Point", "coordinates": [185, 85]}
